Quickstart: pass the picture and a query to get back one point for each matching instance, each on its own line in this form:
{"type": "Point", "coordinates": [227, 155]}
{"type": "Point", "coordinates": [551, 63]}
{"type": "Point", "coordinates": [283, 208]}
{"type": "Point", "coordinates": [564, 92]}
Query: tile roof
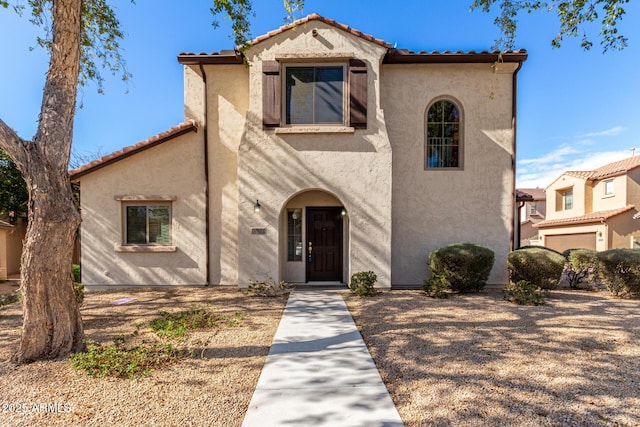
{"type": "Point", "coordinates": [522, 196]}
{"type": "Point", "coordinates": [393, 56]}
{"type": "Point", "coordinates": [580, 174]}
{"type": "Point", "coordinates": [609, 170]}
{"type": "Point", "coordinates": [616, 168]}
{"type": "Point", "coordinates": [601, 216]}
{"type": "Point", "coordinates": [535, 193]}
{"type": "Point", "coordinates": [180, 129]}
{"type": "Point", "coordinates": [316, 17]}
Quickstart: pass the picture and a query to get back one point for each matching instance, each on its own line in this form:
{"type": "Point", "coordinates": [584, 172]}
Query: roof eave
{"type": "Point", "coordinates": [91, 167]}
{"type": "Point", "coordinates": [401, 56]}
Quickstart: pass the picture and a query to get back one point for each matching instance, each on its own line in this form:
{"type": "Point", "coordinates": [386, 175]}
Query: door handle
{"type": "Point", "coordinates": [309, 250]}
{"type": "Point", "coordinates": [310, 247]}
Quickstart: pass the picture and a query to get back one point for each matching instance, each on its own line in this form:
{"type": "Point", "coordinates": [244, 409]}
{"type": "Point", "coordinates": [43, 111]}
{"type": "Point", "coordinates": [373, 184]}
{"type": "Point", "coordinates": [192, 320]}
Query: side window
{"type": "Point", "coordinates": [442, 140]}
{"type": "Point", "coordinates": [147, 224]}
{"type": "Point", "coordinates": [608, 188]}
{"type": "Point", "coordinates": [294, 235]}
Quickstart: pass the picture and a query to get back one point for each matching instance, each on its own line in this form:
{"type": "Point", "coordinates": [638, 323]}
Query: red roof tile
{"type": "Point", "coordinates": [316, 17]}
{"type": "Point", "coordinates": [167, 135]}
{"type": "Point", "coordinates": [616, 168]}
{"type": "Point", "coordinates": [580, 174]}
{"type": "Point", "coordinates": [393, 56]}
{"type": "Point", "coordinates": [584, 219]}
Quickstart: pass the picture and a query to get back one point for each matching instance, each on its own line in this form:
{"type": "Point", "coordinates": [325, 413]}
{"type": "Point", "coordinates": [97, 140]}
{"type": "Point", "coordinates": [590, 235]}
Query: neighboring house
{"type": "Point", "coordinates": [329, 152]}
{"type": "Point", "coordinates": [5, 229]}
{"type": "Point", "coordinates": [532, 211]}
{"type": "Point", "coordinates": [11, 237]}
{"type": "Point", "coordinates": [593, 209]}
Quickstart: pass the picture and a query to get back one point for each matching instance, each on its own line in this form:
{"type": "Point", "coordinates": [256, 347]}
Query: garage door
{"type": "Point", "coordinates": [561, 242]}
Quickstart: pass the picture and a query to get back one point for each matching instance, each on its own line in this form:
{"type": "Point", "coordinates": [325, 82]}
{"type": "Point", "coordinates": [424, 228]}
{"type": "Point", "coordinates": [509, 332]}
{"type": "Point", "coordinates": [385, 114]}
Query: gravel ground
{"type": "Point", "coordinates": [472, 360]}
{"type": "Point", "coordinates": [477, 360]}
{"type": "Point", "coordinates": [213, 388]}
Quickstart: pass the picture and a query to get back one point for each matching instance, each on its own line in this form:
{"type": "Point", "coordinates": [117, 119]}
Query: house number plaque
{"type": "Point", "coordinates": [258, 231]}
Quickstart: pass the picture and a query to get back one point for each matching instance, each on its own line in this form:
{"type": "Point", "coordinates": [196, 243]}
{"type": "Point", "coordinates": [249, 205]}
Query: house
{"type": "Point", "coordinates": [593, 209]}
{"type": "Point", "coordinates": [11, 237]}
{"type": "Point", "coordinates": [532, 211]}
{"type": "Point", "coordinates": [5, 229]}
{"type": "Point", "coordinates": [318, 152]}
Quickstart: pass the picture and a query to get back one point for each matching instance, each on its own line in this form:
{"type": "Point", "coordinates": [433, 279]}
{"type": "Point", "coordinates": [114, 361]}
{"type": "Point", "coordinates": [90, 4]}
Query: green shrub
{"type": "Point", "coordinates": [619, 270]}
{"type": "Point", "coordinates": [581, 268]}
{"type": "Point", "coordinates": [269, 288]}
{"type": "Point", "coordinates": [465, 267]}
{"type": "Point", "coordinates": [437, 286]}
{"type": "Point", "coordinates": [362, 283]}
{"type": "Point", "coordinates": [116, 360]}
{"type": "Point", "coordinates": [75, 270]}
{"type": "Point", "coordinates": [540, 266]}
{"type": "Point", "coordinates": [171, 325]}
{"type": "Point", "coordinates": [78, 287]}
{"type": "Point", "coordinates": [524, 293]}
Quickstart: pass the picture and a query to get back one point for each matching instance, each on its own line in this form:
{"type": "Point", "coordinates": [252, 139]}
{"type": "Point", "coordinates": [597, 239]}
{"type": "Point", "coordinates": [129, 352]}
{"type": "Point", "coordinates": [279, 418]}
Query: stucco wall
{"type": "Point", "coordinates": [602, 202]}
{"type": "Point", "coordinates": [433, 208]}
{"type": "Point", "coordinates": [172, 168]}
{"type": "Point", "coordinates": [355, 167]}
{"type": "Point", "coordinates": [580, 203]}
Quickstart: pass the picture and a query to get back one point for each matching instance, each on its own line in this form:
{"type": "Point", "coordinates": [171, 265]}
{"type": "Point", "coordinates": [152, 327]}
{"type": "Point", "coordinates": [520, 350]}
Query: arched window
{"type": "Point", "coordinates": [443, 142]}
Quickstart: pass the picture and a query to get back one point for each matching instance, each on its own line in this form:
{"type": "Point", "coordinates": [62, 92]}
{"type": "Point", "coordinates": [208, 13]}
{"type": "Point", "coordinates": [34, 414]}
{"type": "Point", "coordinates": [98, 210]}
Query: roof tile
{"type": "Point", "coordinates": [180, 129]}
{"type": "Point", "coordinates": [601, 216]}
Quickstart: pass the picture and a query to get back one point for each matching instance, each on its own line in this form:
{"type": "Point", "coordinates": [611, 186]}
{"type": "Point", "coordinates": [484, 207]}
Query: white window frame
{"type": "Point", "coordinates": [345, 93]}
{"type": "Point", "coordinates": [608, 188]}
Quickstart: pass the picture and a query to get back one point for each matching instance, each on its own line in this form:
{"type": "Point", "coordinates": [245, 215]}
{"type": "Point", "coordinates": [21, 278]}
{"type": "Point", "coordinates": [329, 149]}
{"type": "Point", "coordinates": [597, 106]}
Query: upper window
{"type": "Point", "coordinates": [315, 95]}
{"type": "Point", "coordinates": [148, 224]}
{"type": "Point", "coordinates": [608, 188]}
{"type": "Point", "coordinates": [443, 135]}
{"type": "Point", "coordinates": [533, 208]}
{"type": "Point", "coordinates": [330, 97]}
{"type": "Point", "coordinates": [568, 199]}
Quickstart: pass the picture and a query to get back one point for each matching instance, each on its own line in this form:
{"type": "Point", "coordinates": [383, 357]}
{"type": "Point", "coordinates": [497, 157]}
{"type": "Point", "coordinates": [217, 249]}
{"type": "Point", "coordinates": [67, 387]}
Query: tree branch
{"type": "Point", "coordinates": [13, 145]}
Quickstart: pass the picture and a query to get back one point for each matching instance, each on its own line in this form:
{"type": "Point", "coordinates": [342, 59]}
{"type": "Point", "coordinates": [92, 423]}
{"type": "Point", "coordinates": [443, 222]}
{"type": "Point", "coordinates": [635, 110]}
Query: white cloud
{"type": "Point", "coordinates": [616, 130]}
{"type": "Point", "coordinates": [542, 171]}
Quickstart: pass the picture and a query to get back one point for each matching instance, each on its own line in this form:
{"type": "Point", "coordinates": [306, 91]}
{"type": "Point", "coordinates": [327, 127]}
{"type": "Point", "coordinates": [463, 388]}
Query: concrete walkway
{"type": "Point", "coordinates": [319, 371]}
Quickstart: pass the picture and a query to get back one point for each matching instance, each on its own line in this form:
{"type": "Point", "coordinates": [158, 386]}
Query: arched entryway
{"type": "Point", "coordinates": [314, 239]}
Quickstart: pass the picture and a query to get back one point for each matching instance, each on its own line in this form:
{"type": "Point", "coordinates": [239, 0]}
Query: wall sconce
{"type": "Point", "coordinates": [343, 212]}
{"type": "Point", "coordinates": [599, 233]}
{"type": "Point", "coordinates": [257, 208]}
{"type": "Point", "coordinates": [12, 217]}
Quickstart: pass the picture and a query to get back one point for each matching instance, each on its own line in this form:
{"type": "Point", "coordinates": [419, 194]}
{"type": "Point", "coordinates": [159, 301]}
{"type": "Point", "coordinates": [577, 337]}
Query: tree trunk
{"type": "Point", "coordinates": [52, 325]}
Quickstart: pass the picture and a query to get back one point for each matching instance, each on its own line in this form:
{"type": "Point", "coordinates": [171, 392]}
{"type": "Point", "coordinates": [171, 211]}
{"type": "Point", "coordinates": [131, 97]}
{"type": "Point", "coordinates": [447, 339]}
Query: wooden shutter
{"type": "Point", "coordinates": [271, 94]}
{"type": "Point", "coordinates": [358, 94]}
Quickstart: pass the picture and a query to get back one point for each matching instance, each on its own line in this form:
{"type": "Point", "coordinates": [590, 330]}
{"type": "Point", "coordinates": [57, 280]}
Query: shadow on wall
{"type": "Point", "coordinates": [352, 167]}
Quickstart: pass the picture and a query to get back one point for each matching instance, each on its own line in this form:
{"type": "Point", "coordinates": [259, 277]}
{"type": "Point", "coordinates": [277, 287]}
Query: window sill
{"type": "Point", "coordinates": [314, 129]}
{"type": "Point", "coordinates": [145, 249]}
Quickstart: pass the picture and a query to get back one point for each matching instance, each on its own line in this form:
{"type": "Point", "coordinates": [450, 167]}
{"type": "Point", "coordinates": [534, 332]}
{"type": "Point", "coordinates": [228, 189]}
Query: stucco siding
{"type": "Point", "coordinates": [433, 208]}
{"type": "Point", "coordinates": [354, 167]}
{"type": "Point", "coordinates": [173, 168]}
{"type": "Point", "coordinates": [604, 202]}
{"type": "Point", "coordinates": [555, 208]}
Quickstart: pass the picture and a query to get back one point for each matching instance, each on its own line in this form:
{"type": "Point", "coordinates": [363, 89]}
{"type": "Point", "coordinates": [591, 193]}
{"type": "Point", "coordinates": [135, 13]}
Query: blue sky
{"type": "Point", "coordinates": [576, 109]}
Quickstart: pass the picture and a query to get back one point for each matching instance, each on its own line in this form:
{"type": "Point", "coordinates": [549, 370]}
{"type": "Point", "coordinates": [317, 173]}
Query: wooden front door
{"type": "Point", "coordinates": [324, 244]}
